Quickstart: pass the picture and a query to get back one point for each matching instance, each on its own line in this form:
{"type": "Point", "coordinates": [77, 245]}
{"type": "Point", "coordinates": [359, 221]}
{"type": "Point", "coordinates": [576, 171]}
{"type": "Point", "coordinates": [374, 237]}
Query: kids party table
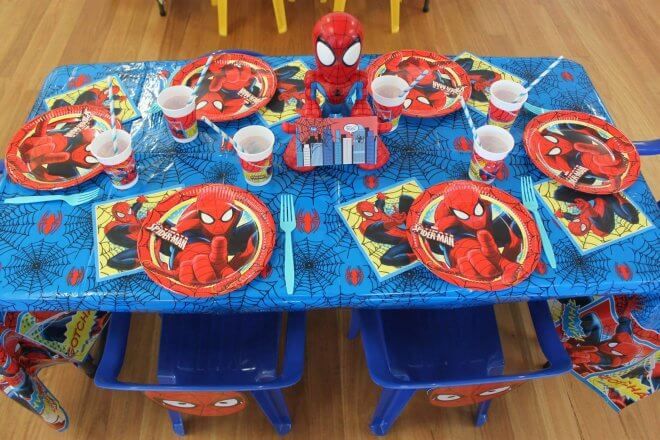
{"type": "Point", "coordinates": [49, 257]}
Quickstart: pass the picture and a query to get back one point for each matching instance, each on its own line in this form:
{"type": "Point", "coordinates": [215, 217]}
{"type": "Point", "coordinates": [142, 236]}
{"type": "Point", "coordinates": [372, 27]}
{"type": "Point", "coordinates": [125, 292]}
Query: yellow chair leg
{"type": "Point", "coordinates": [280, 15]}
{"type": "Point", "coordinates": [339, 6]}
{"type": "Point", "coordinates": [214, 2]}
{"type": "Point", "coordinates": [222, 17]}
{"type": "Point", "coordinates": [395, 5]}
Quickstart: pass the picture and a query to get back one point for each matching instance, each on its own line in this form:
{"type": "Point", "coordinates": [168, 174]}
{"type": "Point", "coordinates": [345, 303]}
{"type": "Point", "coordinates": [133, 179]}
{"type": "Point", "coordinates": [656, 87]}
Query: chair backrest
{"type": "Point", "coordinates": [648, 148]}
{"type": "Point", "coordinates": [115, 350]}
{"type": "Point", "coordinates": [558, 360]}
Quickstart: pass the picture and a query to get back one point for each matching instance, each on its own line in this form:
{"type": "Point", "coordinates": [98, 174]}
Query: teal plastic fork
{"type": "Point", "coordinates": [73, 199]}
{"type": "Point", "coordinates": [530, 202]}
{"type": "Point", "coordinates": [288, 224]}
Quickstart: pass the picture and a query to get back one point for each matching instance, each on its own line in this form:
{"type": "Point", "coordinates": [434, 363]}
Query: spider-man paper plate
{"type": "Point", "coordinates": [435, 95]}
{"type": "Point", "coordinates": [206, 240]}
{"type": "Point", "coordinates": [52, 150]}
{"type": "Point", "coordinates": [235, 86]}
{"type": "Point", "coordinates": [582, 151]}
{"type": "Point", "coordinates": [473, 235]}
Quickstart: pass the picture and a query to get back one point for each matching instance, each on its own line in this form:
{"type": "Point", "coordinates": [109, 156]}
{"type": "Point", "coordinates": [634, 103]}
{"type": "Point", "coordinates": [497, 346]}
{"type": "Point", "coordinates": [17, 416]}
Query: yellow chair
{"type": "Point", "coordinates": [278, 7]}
{"type": "Point", "coordinates": [395, 7]}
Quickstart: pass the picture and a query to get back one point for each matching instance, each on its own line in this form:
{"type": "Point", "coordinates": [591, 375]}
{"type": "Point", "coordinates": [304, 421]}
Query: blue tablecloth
{"type": "Point", "coordinates": [43, 270]}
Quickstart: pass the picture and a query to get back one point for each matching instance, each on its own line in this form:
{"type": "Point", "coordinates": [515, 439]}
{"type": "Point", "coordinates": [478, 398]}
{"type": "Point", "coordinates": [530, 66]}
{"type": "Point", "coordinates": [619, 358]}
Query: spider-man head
{"type": "Point", "coordinates": [200, 404]}
{"type": "Point", "coordinates": [337, 39]}
{"type": "Point", "coordinates": [467, 395]}
{"type": "Point", "coordinates": [370, 212]}
{"type": "Point", "coordinates": [123, 213]}
{"type": "Point", "coordinates": [465, 206]}
{"type": "Point", "coordinates": [216, 215]}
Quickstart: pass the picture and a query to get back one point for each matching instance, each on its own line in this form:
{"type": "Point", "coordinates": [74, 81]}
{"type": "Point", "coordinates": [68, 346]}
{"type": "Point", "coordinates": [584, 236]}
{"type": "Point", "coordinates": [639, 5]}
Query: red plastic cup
{"type": "Point", "coordinates": [492, 146]}
{"type": "Point", "coordinates": [388, 93]}
{"type": "Point", "coordinates": [254, 145]}
{"type": "Point", "coordinates": [179, 112]}
{"type": "Point", "coordinates": [505, 101]}
{"type": "Point", "coordinates": [119, 165]}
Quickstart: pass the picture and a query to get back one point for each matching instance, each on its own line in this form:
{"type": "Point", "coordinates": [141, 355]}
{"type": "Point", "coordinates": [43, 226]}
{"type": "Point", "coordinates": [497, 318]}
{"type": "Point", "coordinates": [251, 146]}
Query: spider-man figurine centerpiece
{"type": "Point", "coordinates": [337, 39]}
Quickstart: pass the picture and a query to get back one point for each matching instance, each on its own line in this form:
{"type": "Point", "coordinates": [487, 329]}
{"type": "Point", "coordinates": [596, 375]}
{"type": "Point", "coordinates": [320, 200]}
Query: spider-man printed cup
{"type": "Point", "coordinates": [179, 111]}
{"type": "Point", "coordinates": [388, 93]}
{"type": "Point", "coordinates": [118, 164]}
{"type": "Point", "coordinates": [506, 99]}
{"type": "Point", "coordinates": [254, 145]}
{"type": "Point", "coordinates": [492, 146]}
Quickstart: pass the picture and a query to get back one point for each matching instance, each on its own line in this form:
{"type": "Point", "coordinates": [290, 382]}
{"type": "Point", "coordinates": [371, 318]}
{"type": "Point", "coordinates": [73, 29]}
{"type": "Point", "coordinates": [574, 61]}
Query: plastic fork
{"type": "Point", "coordinates": [530, 202]}
{"type": "Point", "coordinates": [73, 199]}
{"type": "Point", "coordinates": [288, 224]}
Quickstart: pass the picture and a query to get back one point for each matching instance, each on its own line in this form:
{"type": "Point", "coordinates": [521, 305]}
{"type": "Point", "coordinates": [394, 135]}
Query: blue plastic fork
{"type": "Point", "coordinates": [288, 224]}
{"type": "Point", "coordinates": [530, 202]}
{"type": "Point", "coordinates": [73, 199]}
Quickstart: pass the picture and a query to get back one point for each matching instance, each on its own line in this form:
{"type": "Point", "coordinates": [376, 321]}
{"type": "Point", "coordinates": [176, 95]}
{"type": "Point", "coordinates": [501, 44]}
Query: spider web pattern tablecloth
{"type": "Point", "coordinates": [46, 250]}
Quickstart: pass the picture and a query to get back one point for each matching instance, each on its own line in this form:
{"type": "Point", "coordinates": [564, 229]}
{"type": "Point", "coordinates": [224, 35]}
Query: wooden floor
{"type": "Point", "coordinates": [617, 43]}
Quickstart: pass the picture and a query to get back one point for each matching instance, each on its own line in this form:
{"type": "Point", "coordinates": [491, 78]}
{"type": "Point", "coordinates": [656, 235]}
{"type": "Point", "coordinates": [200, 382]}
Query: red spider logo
{"type": "Point", "coordinates": [308, 221]}
{"type": "Point", "coordinates": [371, 181]}
{"type": "Point", "coordinates": [567, 75]}
{"type": "Point", "coordinates": [624, 271]}
{"type": "Point", "coordinates": [78, 81]}
{"type": "Point", "coordinates": [462, 143]}
{"type": "Point", "coordinates": [50, 222]}
{"type": "Point", "coordinates": [266, 271]}
{"type": "Point", "coordinates": [354, 275]}
{"type": "Point", "coordinates": [75, 276]}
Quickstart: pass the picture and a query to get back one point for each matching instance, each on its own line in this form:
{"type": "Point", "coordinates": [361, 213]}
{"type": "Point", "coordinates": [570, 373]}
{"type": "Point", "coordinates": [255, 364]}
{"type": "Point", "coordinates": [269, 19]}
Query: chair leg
{"type": "Point", "coordinates": [354, 326]}
{"type": "Point", "coordinates": [392, 402]}
{"type": "Point", "coordinates": [339, 6]}
{"type": "Point", "coordinates": [177, 423]}
{"type": "Point", "coordinates": [222, 17]}
{"type": "Point", "coordinates": [395, 5]}
{"type": "Point", "coordinates": [280, 15]}
{"type": "Point", "coordinates": [274, 407]}
{"type": "Point", "coordinates": [161, 8]}
{"type": "Point", "coordinates": [482, 413]}
{"type": "Point", "coordinates": [426, 6]}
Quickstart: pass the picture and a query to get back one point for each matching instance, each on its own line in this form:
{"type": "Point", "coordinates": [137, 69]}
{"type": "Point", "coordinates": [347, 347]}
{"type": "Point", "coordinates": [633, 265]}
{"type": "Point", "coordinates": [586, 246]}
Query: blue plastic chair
{"type": "Point", "coordinates": [203, 353]}
{"type": "Point", "coordinates": [422, 349]}
{"type": "Point", "coordinates": [648, 148]}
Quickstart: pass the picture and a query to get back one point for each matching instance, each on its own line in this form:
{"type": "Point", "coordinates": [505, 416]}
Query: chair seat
{"type": "Point", "coordinates": [219, 349]}
{"type": "Point", "coordinates": [437, 345]}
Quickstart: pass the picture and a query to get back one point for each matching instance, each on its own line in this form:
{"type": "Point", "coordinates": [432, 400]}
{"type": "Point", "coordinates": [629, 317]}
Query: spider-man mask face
{"type": "Point", "coordinates": [217, 217]}
{"type": "Point", "coordinates": [200, 404]}
{"type": "Point", "coordinates": [469, 394]}
{"type": "Point", "coordinates": [337, 39]}
{"type": "Point", "coordinates": [369, 211]}
{"type": "Point", "coordinates": [468, 208]}
{"type": "Point", "coordinates": [123, 213]}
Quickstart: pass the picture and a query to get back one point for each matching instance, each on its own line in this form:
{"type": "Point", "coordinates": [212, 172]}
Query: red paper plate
{"type": "Point", "coordinates": [52, 150]}
{"type": "Point", "coordinates": [582, 151]}
{"type": "Point", "coordinates": [235, 86]}
{"type": "Point", "coordinates": [473, 235]}
{"type": "Point", "coordinates": [438, 93]}
{"type": "Point", "coordinates": [206, 240]}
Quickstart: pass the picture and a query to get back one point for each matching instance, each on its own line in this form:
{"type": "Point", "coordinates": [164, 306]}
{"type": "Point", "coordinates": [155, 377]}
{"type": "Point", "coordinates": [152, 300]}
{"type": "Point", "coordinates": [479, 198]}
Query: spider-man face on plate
{"type": "Point", "coordinates": [469, 394]}
{"type": "Point", "coordinates": [200, 404]}
{"type": "Point", "coordinates": [337, 39]}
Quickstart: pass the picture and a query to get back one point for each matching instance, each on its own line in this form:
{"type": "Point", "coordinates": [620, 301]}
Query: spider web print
{"type": "Point", "coordinates": [36, 267]}
{"type": "Point", "coordinates": [415, 151]}
{"type": "Point", "coordinates": [581, 270]}
{"type": "Point", "coordinates": [16, 226]}
{"type": "Point", "coordinates": [579, 102]}
{"type": "Point", "coordinates": [530, 68]}
{"type": "Point", "coordinates": [130, 292]}
{"type": "Point", "coordinates": [78, 229]}
{"type": "Point", "coordinates": [646, 259]}
{"type": "Point", "coordinates": [222, 172]}
{"type": "Point", "coordinates": [416, 281]}
{"type": "Point", "coordinates": [453, 165]}
{"type": "Point", "coordinates": [317, 266]}
{"type": "Point", "coordinates": [520, 165]}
